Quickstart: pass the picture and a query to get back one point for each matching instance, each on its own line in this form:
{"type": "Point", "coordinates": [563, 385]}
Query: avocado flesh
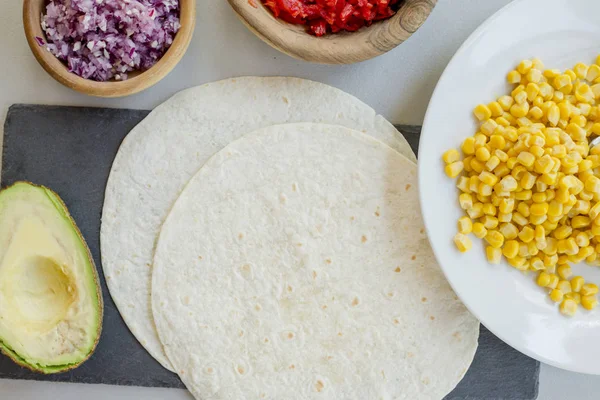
{"type": "Point", "coordinates": [50, 301]}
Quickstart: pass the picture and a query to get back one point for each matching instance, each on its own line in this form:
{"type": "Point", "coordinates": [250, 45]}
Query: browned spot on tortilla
{"type": "Point", "coordinates": [319, 386]}
{"type": "Point", "coordinates": [290, 335]}
{"type": "Point", "coordinates": [432, 317]}
{"type": "Point", "coordinates": [407, 187]}
{"type": "Point", "coordinates": [241, 236]}
{"type": "Point", "coordinates": [413, 257]}
{"type": "Point", "coordinates": [355, 302]}
{"type": "Point", "coordinates": [423, 299]}
{"type": "Point", "coordinates": [241, 370]}
{"type": "Point", "coordinates": [324, 307]}
{"type": "Point", "coordinates": [329, 358]}
{"type": "Point", "coordinates": [181, 372]}
{"type": "Point", "coordinates": [292, 366]}
{"type": "Point", "coordinates": [410, 355]}
{"type": "Point", "coordinates": [314, 274]}
{"type": "Point", "coordinates": [422, 231]}
{"type": "Point", "coordinates": [285, 99]}
{"type": "Point", "coordinates": [299, 244]}
{"type": "Point", "coordinates": [363, 239]}
{"type": "Point", "coordinates": [148, 265]}
{"type": "Point", "coordinates": [377, 214]}
{"type": "Point", "coordinates": [340, 334]}
{"type": "Point", "coordinates": [328, 260]}
{"type": "Point", "coordinates": [352, 218]}
{"type": "Point", "coordinates": [199, 257]}
{"type": "Point", "coordinates": [396, 321]}
{"type": "Point", "coordinates": [266, 340]}
{"type": "Point", "coordinates": [457, 336]}
{"type": "Point", "coordinates": [397, 269]}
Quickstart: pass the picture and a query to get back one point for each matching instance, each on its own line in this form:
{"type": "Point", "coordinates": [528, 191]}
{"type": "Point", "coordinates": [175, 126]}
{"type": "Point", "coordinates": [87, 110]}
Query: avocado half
{"type": "Point", "coordinates": [51, 304]}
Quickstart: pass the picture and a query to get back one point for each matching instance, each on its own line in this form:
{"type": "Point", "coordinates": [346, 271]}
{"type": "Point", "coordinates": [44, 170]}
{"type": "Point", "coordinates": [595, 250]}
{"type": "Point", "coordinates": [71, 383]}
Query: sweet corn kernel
{"type": "Point", "coordinates": [527, 159]}
{"type": "Point", "coordinates": [510, 249]}
{"type": "Point", "coordinates": [466, 201]}
{"type": "Point", "coordinates": [553, 281]}
{"type": "Point", "coordinates": [577, 283]}
{"type": "Point", "coordinates": [519, 219]}
{"type": "Point", "coordinates": [504, 217]}
{"type": "Point", "coordinates": [589, 289]}
{"type": "Point", "coordinates": [492, 163]}
{"type": "Point", "coordinates": [509, 231]}
{"type": "Point", "coordinates": [507, 205]}
{"type": "Point", "coordinates": [582, 240]}
{"type": "Point", "coordinates": [494, 255]}
{"type": "Point", "coordinates": [513, 77]}
{"type": "Point", "coordinates": [556, 295]}
{"type": "Point", "coordinates": [462, 242]}
{"type": "Point", "coordinates": [494, 238]}
{"type": "Point", "coordinates": [479, 230]}
{"type": "Point", "coordinates": [482, 112]}
{"type": "Point", "coordinates": [524, 66]}
{"type": "Point", "coordinates": [518, 262]}
{"type": "Point", "coordinates": [534, 75]}
{"type": "Point", "coordinates": [489, 222]}
{"type": "Point", "coordinates": [539, 209]}
{"type": "Point", "coordinates": [476, 211]}
{"type": "Point", "coordinates": [564, 286]}
{"type": "Point", "coordinates": [452, 170]}
{"type": "Point", "coordinates": [465, 225]}
{"type": "Point", "coordinates": [488, 178]}
{"type": "Point", "coordinates": [476, 165]}
{"type": "Point", "coordinates": [468, 146]}
{"type": "Point", "coordinates": [562, 81]}
{"type": "Point", "coordinates": [568, 307]}
{"type": "Point", "coordinates": [489, 209]}
{"type": "Point", "coordinates": [543, 279]}
{"type": "Point", "coordinates": [489, 127]}
{"type": "Point", "coordinates": [580, 221]}
{"type": "Point", "coordinates": [589, 302]}
{"type": "Point", "coordinates": [451, 156]}
{"type": "Point", "coordinates": [576, 297]}
{"type": "Point", "coordinates": [564, 271]}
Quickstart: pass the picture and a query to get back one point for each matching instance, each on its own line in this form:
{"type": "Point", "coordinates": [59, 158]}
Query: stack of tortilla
{"type": "Point", "coordinates": [262, 238]}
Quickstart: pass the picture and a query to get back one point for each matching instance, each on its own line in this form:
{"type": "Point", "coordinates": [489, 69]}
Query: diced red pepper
{"type": "Point", "coordinates": [323, 16]}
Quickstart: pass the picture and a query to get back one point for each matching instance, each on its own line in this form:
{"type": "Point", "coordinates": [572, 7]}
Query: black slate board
{"type": "Point", "coordinates": [70, 150]}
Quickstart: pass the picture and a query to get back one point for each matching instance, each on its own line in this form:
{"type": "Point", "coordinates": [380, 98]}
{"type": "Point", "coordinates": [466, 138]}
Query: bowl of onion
{"type": "Point", "coordinates": [339, 32]}
{"type": "Point", "coordinates": [108, 48]}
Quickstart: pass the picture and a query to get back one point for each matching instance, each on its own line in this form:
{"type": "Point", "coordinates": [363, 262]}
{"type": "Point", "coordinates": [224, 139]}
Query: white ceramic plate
{"type": "Point", "coordinates": [506, 301]}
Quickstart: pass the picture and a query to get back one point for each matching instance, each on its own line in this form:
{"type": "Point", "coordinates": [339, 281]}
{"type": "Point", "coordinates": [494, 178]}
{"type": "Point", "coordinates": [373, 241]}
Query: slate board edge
{"type": "Point", "coordinates": [412, 135]}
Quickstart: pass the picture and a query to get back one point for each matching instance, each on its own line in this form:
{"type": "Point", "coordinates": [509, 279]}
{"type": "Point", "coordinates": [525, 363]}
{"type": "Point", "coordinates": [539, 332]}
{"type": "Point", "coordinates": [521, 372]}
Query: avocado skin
{"type": "Point", "coordinates": [64, 211]}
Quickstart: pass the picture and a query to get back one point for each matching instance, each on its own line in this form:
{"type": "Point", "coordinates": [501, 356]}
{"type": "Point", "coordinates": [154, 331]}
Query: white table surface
{"type": "Point", "coordinates": [398, 85]}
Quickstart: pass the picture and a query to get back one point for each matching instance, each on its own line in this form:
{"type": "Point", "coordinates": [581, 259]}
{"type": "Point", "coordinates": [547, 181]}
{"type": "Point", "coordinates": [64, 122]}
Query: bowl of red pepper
{"type": "Point", "coordinates": [333, 31]}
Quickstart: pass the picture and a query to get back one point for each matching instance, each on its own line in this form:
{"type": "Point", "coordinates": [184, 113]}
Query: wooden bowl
{"type": "Point", "coordinates": [137, 81]}
{"type": "Point", "coordinates": [338, 48]}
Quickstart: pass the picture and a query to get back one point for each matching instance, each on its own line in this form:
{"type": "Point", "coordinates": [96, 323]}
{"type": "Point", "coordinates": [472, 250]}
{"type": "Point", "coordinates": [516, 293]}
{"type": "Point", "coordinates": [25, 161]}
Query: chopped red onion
{"type": "Point", "coordinates": [106, 39]}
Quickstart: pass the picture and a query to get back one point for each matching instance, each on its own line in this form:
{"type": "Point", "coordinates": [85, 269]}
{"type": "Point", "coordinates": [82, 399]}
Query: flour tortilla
{"type": "Point", "coordinates": [295, 265]}
{"type": "Point", "coordinates": [163, 152]}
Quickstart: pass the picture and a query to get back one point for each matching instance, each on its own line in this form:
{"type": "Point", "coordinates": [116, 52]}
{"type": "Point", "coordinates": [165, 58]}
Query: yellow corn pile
{"type": "Point", "coordinates": [529, 183]}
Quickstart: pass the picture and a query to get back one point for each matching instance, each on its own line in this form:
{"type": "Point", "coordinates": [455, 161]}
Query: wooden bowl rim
{"type": "Point", "coordinates": [338, 48]}
{"type": "Point", "coordinates": [32, 11]}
